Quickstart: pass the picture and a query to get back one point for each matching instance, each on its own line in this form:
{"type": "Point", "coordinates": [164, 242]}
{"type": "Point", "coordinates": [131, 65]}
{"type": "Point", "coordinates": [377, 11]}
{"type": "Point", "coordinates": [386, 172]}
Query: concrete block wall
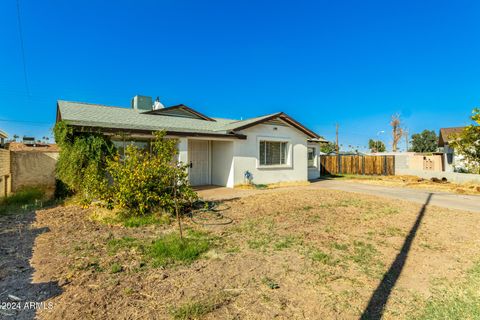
{"type": "Point", "coordinates": [450, 176]}
{"type": "Point", "coordinates": [5, 173]}
{"type": "Point", "coordinates": [33, 168]}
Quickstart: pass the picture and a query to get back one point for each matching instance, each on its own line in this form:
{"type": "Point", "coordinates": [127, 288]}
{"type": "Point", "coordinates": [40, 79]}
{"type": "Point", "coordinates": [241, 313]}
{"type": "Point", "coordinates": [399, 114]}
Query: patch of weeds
{"type": "Point", "coordinates": [93, 265]}
{"type": "Point", "coordinates": [115, 245]}
{"type": "Point", "coordinates": [261, 242]}
{"type": "Point", "coordinates": [339, 246]}
{"type": "Point", "coordinates": [116, 268]}
{"type": "Point", "coordinates": [235, 249]}
{"type": "Point", "coordinates": [307, 208]}
{"type": "Point", "coordinates": [198, 309]}
{"type": "Point", "coordinates": [350, 202]}
{"type": "Point", "coordinates": [171, 249]}
{"type": "Point", "coordinates": [128, 290]}
{"type": "Point", "coordinates": [315, 218]}
{"type": "Point", "coordinates": [329, 229]}
{"type": "Point", "coordinates": [272, 284]}
{"type": "Point", "coordinates": [365, 255]}
{"type": "Point", "coordinates": [375, 213]}
{"type": "Point", "coordinates": [112, 217]}
{"type": "Point", "coordinates": [286, 242]}
{"type": "Point", "coordinates": [459, 300]}
{"type": "Point", "coordinates": [133, 222]}
{"type": "Point", "coordinates": [431, 246]}
{"type": "Point", "coordinates": [28, 198]}
{"type": "Point", "coordinates": [265, 298]}
{"type": "Point", "coordinates": [322, 257]}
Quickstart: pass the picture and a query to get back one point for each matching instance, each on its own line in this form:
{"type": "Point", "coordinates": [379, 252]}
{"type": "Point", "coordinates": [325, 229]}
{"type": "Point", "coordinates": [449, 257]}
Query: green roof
{"type": "Point", "coordinates": [101, 116]}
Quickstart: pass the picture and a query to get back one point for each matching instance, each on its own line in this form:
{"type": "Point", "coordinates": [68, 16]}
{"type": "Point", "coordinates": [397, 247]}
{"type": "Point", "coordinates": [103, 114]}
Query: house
{"type": "Point", "coordinates": [225, 152]}
{"type": "Point", "coordinates": [452, 162]}
{"type": "Point", "coordinates": [3, 138]}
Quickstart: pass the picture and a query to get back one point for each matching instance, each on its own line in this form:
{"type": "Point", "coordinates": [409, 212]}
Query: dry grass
{"type": "Point", "coordinates": [273, 185]}
{"type": "Point", "coordinates": [417, 183]}
{"type": "Point", "coordinates": [289, 254]}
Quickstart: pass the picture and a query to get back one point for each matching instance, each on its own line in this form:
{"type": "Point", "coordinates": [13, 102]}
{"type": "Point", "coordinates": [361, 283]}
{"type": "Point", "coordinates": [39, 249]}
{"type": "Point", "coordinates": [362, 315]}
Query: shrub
{"type": "Point", "coordinates": [143, 180]}
{"type": "Point", "coordinates": [82, 160]}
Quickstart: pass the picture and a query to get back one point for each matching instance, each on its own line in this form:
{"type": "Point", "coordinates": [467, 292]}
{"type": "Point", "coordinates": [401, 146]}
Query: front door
{"type": "Point", "coordinates": [198, 154]}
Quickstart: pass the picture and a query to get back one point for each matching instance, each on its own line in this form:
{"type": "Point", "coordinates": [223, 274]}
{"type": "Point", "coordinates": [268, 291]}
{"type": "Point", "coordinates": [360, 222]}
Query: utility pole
{"type": "Point", "coordinates": [336, 138]}
{"type": "Point", "coordinates": [406, 140]}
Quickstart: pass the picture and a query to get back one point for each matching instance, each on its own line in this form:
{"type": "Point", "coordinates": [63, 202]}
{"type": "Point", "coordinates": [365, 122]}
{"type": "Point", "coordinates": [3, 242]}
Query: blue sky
{"type": "Point", "coordinates": [322, 62]}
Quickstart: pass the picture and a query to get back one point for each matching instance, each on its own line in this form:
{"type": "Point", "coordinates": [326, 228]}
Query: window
{"type": "Point", "coordinates": [311, 157]}
{"type": "Point", "coordinates": [273, 153]}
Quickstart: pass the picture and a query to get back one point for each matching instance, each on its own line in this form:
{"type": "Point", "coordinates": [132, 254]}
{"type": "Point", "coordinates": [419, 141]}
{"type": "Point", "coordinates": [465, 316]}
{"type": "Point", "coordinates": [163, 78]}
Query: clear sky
{"type": "Point", "coordinates": [321, 62]}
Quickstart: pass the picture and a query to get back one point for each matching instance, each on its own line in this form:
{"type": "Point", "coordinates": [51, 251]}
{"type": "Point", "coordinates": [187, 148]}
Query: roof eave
{"type": "Point", "coordinates": [86, 128]}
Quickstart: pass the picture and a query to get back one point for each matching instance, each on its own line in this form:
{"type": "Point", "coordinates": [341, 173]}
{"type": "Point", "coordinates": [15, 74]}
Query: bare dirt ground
{"type": "Point", "coordinates": [289, 254]}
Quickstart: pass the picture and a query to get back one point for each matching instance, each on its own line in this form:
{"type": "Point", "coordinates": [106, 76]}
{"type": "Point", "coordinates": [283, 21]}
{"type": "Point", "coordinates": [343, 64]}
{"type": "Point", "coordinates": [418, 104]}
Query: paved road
{"type": "Point", "coordinates": [441, 199]}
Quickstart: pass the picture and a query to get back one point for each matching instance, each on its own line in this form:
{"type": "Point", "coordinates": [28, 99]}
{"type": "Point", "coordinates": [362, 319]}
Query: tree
{"type": "Point", "coordinates": [467, 143]}
{"type": "Point", "coordinates": [426, 141]}
{"type": "Point", "coordinates": [328, 147]}
{"type": "Point", "coordinates": [15, 137]}
{"type": "Point", "coordinates": [376, 145]}
{"type": "Point", "coordinates": [397, 131]}
{"type": "Point", "coordinates": [82, 161]}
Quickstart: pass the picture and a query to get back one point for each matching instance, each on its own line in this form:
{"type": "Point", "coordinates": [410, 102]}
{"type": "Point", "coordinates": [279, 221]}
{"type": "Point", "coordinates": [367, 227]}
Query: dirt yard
{"type": "Point", "coordinates": [288, 254]}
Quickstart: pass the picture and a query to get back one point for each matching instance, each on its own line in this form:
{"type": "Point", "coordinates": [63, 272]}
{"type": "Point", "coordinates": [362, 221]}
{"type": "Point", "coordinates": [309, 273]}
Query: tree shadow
{"type": "Point", "coordinates": [379, 299]}
{"type": "Point", "coordinates": [17, 239]}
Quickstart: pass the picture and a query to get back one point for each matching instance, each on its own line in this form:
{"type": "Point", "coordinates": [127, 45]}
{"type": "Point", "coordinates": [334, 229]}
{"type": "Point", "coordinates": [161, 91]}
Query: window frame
{"type": "Point", "coordinates": [313, 163]}
{"type": "Point", "coordinates": [287, 152]}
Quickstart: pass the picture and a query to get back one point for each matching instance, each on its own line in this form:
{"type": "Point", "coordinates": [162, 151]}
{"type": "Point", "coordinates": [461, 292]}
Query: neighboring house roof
{"type": "Point", "coordinates": [448, 134]}
{"type": "Point", "coordinates": [3, 134]}
{"type": "Point", "coordinates": [41, 147]}
{"type": "Point", "coordinates": [175, 120]}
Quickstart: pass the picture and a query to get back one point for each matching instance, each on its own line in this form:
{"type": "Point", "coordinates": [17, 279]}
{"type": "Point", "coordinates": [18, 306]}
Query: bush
{"type": "Point", "coordinates": [143, 181]}
{"type": "Point", "coordinates": [82, 160]}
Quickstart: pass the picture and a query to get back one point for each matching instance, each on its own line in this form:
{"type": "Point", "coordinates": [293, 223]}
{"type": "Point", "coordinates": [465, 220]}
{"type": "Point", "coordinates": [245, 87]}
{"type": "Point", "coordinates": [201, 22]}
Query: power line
{"type": "Point", "coordinates": [24, 121]}
{"type": "Point", "coordinates": [22, 48]}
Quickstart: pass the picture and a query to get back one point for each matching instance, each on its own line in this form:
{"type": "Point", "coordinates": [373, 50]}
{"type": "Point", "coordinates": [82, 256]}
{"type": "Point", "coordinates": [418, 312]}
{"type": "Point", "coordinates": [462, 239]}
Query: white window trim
{"type": "Point", "coordinates": [289, 160]}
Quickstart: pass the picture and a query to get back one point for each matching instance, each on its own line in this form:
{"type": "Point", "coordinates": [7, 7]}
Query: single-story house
{"type": "Point", "coordinates": [3, 138]}
{"type": "Point", "coordinates": [267, 149]}
{"type": "Point", "coordinates": [452, 162]}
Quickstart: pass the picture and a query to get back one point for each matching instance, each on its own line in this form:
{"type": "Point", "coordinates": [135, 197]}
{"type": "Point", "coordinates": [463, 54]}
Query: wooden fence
{"type": "Point", "coordinates": [364, 165]}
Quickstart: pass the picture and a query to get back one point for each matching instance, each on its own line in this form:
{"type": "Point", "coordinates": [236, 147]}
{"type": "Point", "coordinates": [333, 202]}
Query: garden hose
{"type": "Point", "coordinates": [209, 213]}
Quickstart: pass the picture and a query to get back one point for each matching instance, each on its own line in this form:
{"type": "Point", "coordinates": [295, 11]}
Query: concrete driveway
{"type": "Point", "coordinates": [440, 199]}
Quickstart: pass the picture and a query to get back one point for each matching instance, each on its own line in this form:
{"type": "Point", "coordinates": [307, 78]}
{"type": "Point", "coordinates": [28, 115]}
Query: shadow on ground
{"type": "Point", "coordinates": [379, 298]}
{"type": "Point", "coordinates": [17, 239]}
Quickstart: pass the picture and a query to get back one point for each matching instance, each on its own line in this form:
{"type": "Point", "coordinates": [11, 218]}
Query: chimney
{"type": "Point", "coordinates": [142, 103]}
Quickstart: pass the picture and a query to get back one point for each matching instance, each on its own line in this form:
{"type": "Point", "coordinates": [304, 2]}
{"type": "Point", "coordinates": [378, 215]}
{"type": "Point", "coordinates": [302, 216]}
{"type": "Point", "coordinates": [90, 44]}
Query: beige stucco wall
{"type": "Point", "coordinates": [418, 162]}
{"type": "Point", "coordinates": [33, 168]}
{"type": "Point", "coordinates": [5, 180]}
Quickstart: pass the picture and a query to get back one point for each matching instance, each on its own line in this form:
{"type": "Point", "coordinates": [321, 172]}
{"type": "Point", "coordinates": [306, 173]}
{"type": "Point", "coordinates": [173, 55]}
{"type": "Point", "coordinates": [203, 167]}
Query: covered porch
{"type": "Point", "coordinates": [210, 161]}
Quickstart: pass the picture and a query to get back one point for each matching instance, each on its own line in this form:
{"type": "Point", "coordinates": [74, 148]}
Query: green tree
{"type": "Point", "coordinates": [426, 141]}
{"type": "Point", "coordinates": [328, 147]}
{"type": "Point", "coordinates": [376, 145]}
{"type": "Point", "coordinates": [467, 143]}
{"type": "Point", "coordinates": [142, 181]}
{"type": "Point", "coordinates": [82, 161]}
